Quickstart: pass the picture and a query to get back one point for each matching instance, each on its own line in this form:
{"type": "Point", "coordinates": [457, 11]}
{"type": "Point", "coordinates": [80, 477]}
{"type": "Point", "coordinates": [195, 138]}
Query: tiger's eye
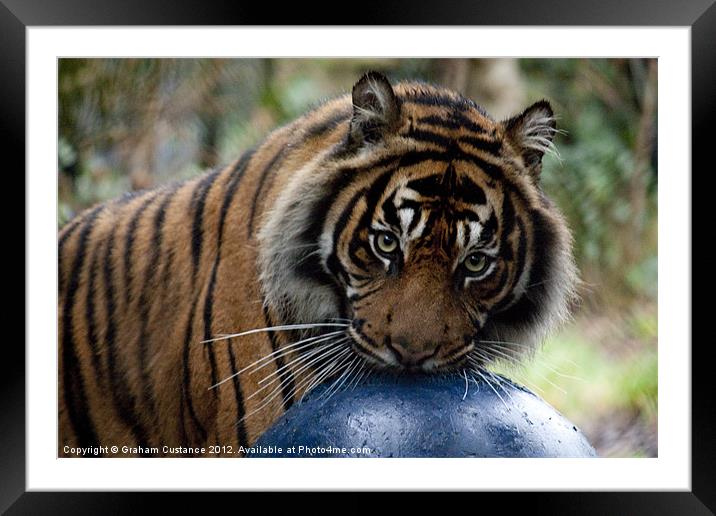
{"type": "Point", "coordinates": [386, 242]}
{"type": "Point", "coordinates": [476, 263]}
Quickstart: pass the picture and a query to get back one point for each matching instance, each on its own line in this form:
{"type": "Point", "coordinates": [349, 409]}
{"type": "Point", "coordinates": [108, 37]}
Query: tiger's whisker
{"type": "Point", "coordinates": [309, 377]}
{"type": "Point", "coordinates": [346, 374]}
{"type": "Point", "coordinates": [359, 375]}
{"type": "Point", "coordinates": [353, 374]}
{"type": "Point", "coordinates": [483, 356]}
{"type": "Point", "coordinates": [276, 391]}
{"type": "Point", "coordinates": [295, 346]}
{"type": "Point", "coordinates": [260, 407]}
{"type": "Point", "coordinates": [478, 371]}
{"type": "Point", "coordinates": [501, 342]}
{"type": "Point", "coordinates": [563, 375]}
{"type": "Point", "coordinates": [320, 375]}
{"type": "Point", "coordinates": [499, 383]}
{"type": "Point", "coordinates": [279, 353]}
{"type": "Point", "coordinates": [503, 354]}
{"type": "Point", "coordinates": [306, 257]}
{"type": "Point", "coordinates": [516, 362]}
{"type": "Point", "coordinates": [341, 351]}
{"type": "Point", "coordinates": [326, 370]}
{"type": "Point", "coordinates": [302, 246]}
{"type": "Point", "coordinates": [297, 386]}
{"type": "Point", "coordinates": [308, 343]}
{"type": "Point", "coordinates": [489, 355]}
{"type": "Point", "coordinates": [339, 368]}
{"type": "Point", "coordinates": [466, 385]}
{"type": "Point", "coordinates": [276, 328]}
{"type": "Point", "coordinates": [523, 380]}
{"type": "Point", "coordinates": [297, 361]}
{"type": "Point", "coordinates": [552, 384]}
{"type": "Point", "coordinates": [333, 347]}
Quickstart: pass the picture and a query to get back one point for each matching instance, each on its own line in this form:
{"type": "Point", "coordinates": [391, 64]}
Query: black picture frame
{"type": "Point", "coordinates": [17, 15]}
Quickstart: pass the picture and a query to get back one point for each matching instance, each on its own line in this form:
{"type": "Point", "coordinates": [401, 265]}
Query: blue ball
{"type": "Point", "coordinates": [413, 416]}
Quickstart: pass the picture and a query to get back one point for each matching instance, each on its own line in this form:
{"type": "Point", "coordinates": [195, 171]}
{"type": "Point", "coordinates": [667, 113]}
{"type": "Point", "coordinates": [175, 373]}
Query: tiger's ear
{"type": "Point", "coordinates": [376, 109]}
{"type": "Point", "coordinates": [532, 132]}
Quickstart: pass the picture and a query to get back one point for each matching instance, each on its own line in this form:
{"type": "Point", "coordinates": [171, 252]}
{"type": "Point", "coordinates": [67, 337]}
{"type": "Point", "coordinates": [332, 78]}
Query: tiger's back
{"type": "Point", "coordinates": [145, 278]}
{"type": "Point", "coordinates": [147, 281]}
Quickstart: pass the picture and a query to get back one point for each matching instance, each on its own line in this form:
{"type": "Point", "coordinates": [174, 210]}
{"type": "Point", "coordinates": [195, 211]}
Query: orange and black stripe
{"type": "Point", "coordinates": [144, 279]}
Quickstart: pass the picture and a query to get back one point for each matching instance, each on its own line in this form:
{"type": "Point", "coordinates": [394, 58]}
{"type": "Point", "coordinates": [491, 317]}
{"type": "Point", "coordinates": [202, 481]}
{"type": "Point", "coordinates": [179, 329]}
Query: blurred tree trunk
{"type": "Point", "coordinates": [209, 142]}
{"type": "Point", "coordinates": [141, 154]}
{"type": "Point", "coordinates": [453, 73]}
{"type": "Point", "coordinates": [499, 86]}
{"type": "Point", "coordinates": [496, 84]}
{"type": "Point", "coordinates": [209, 109]}
{"type": "Point", "coordinates": [643, 149]}
{"type": "Point", "coordinates": [139, 146]}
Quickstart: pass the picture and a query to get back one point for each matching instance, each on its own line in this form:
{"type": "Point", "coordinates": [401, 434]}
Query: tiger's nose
{"type": "Point", "coordinates": [410, 355]}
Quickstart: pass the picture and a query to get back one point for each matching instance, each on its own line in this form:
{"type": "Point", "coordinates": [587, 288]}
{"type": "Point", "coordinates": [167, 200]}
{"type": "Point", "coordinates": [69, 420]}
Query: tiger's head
{"type": "Point", "coordinates": [425, 229]}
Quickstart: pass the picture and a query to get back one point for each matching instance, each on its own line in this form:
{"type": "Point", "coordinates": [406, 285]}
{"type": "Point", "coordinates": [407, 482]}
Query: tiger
{"type": "Point", "coordinates": [396, 228]}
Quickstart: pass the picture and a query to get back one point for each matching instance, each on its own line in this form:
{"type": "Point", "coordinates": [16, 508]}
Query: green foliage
{"type": "Point", "coordinates": [593, 378]}
{"type": "Point", "coordinates": [600, 107]}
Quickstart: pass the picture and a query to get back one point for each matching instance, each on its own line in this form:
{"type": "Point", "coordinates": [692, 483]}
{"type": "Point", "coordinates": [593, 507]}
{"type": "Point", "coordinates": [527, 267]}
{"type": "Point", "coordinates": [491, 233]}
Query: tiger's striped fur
{"type": "Point", "coordinates": [287, 235]}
